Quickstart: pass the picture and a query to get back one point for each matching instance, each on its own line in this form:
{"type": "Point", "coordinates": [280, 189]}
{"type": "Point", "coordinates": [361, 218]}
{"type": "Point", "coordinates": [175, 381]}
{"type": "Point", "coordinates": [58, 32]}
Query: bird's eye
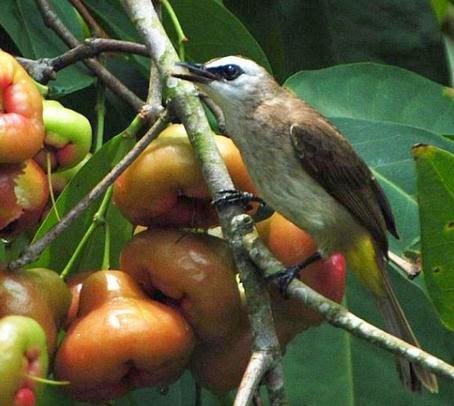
{"type": "Point", "coordinates": [231, 72]}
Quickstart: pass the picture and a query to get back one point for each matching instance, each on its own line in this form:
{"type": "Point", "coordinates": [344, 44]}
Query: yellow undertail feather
{"type": "Point", "coordinates": [365, 262]}
{"type": "Point", "coordinates": [362, 260]}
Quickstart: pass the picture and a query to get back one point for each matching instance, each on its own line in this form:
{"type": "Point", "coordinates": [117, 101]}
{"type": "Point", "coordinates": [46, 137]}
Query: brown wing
{"type": "Point", "coordinates": [330, 159]}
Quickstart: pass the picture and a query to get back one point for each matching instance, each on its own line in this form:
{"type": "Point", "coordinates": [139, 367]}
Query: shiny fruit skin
{"type": "Point", "coordinates": [25, 192]}
{"type": "Point", "coordinates": [165, 185]}
{"type": "Point", "coordinates": [23, 353]}
{"type": "Point", "coordinates": [135, 341]}
{"type": "Point", "coordinates": [194, 271]}
{"type": "Point", "coordinates": [21, 113]}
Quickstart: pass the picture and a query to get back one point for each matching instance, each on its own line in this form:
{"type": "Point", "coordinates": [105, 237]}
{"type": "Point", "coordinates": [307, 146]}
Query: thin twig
{"type": "Point", "coordinates": [154, 96]}
{"type": "Point", "coordinates": [93, 25]}
{"type": "Point", "coordinates": [411, 269]}
{"type": "Point", "coordinates": [93, 47]}
{"type": "Point", "coordinates": [52, 20]}
{"type": "Point", "coordinates": [334, 313]}
{"type": "Point", "coordinates": [181, 36]}
{"type": "Point", "coordinates": [32, 252]}
{"type": "Point", "coordinates": [45, 69]}
{"type": "Point", "coordinates": [258, 365]}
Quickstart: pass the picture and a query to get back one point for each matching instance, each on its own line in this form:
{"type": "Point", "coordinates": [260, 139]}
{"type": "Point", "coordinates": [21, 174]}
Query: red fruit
{"type": "Point", "coordinates": [24, 192]}
{"type": "Point", "coordinates": [21, 113]}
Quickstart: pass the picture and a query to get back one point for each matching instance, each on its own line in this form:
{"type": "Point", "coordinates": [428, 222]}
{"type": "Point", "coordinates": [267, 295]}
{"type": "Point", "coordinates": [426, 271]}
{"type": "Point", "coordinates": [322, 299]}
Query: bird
{"type": "Point", "coordinates": [305, 169]}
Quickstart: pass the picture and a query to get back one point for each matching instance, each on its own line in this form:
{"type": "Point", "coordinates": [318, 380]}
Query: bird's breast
{"type": "Point", "coordinates": [284, 184]}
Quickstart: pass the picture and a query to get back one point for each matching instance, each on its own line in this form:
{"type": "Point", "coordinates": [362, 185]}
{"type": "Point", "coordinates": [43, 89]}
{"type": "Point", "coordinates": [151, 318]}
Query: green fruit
{"type": "Point", "coordinates": [38, 293]}
{"type": "Point", "coordinates": [23, 354]}
{"type": "Point", "coordinates": [68, 133]}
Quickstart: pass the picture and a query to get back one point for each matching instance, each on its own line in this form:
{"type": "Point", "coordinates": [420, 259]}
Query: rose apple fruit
{"type": "Point", "coordinates": [68, 136]}
{"type": "Point", "coordinates": [23, 355]}
{"type": "Point", "coordinates": [21, 113]}
{"type": "Point", "coordinates": [25, 192]}
{"type": "Point", "coordinates": [165, 186]}
{"type": "Point", "coordinates": [135, 340]}
{"type": "Point", "coordinates": [38, 293]}
{"type": "Point", "coordinates": [194, 271]}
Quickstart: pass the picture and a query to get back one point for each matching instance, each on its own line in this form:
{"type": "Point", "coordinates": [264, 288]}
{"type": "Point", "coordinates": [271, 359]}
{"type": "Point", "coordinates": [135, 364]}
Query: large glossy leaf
{"type": "Point", "coordinates": [313, 34]}
{"type": "Point", "coordinates": [386, 148]}
{"type": "Point", "coordinates": [377, 92]}
{"type": "Point", "coordinates": [327, 366]}
{"type": "Point", "coordinates": [58, 253]}
{"type": "Point", "coordinates": [214, 32]}
{"type": "Point", "coordinates": [22, 21]}
{"type": "Point", "coordinates": [436, 202]}
{"type": "Point", "coordinates": [211, 29]}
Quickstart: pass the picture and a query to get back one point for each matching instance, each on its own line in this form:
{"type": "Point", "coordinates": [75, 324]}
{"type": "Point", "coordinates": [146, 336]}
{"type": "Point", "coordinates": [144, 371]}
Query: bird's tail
{"type": "Point", "coordinates": [368, 264]}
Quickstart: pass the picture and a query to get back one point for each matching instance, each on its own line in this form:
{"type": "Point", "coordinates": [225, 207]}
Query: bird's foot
{"type": "Point", "coordinates": [228, 197]}
{"type": "Point", "coordinates": [286, 277]}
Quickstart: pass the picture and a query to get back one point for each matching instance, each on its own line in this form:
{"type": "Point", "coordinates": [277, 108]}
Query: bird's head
{"type": "Point", "coordinates": [230, 81]}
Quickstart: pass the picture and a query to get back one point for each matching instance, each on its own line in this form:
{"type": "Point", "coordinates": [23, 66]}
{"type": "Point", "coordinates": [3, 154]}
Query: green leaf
{"type": "Point", "coordinates": [61, 249]}
{"type": "Point", "coordinates": [214, 31]}
{"type": "Point", "coordinates": [211, 29]}
{"type": "Point", "coordinates": [313, 34]}
{"type": "Point", "coordinates": [377, 92]}
{"type": "Point", "coordinates": [386, 149]}
{"type": "Point", "coordinates": [436, 201]}
{"type": "Point", "coordinates": [22, 21]}
{"type": "Point", "coordinates": [375, 378]}
{"type": "Point", "coordinates": [2, 251]}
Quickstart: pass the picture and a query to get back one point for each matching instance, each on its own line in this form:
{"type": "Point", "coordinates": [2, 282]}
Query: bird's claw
{"type": "Point", "coordinates": [285, 278]}
{"type": "Point", "coordinates": [228, 197]}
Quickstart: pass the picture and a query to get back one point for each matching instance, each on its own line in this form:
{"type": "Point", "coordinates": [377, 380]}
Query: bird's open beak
{"type": "Point", "coordinates": [197, 73]}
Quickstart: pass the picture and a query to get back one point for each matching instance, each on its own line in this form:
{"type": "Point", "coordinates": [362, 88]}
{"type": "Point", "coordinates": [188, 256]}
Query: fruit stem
{"type": "Point", "coordinates": [98, 219]}
{"type": "Point", "coordinates": [47, 381]}
{"type": "Point", "coordinates": [100, 109]}
{"type": "Point", "coordinates": [51, 189]}
{"type": "Point", "coordinates": [182, 38]}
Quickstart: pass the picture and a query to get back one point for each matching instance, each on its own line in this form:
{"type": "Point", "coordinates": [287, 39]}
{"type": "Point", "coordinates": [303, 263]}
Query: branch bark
{"type": "Point", "coordinates": [52, 20]}
{"type": "Point", "coordinates": [45, 69]}
{"type": "Point", "coordinates": [334, 313]}
{"type": "Point", "coordinates": [183, 99]}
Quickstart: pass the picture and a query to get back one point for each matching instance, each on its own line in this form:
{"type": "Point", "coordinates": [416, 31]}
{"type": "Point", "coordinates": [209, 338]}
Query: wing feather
{"type": "Point", "coordinates": [330, 159]}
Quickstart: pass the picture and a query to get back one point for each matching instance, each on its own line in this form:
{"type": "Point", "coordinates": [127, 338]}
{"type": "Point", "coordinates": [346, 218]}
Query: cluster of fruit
{"type": "Point", "coordinates": [175, 304]}
{"type": "Point", "coordinates": [35, 135]}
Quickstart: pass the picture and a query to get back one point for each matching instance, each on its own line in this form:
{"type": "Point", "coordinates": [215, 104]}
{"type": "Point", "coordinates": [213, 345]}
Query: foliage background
{"type": "Point", "coordinates": [383, 110]}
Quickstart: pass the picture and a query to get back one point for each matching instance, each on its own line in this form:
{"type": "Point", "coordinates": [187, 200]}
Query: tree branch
{"type": "Point", "coordinates": [259, 363]}
{"type": "Point", "coordinates": [183, 100]}
{"type": "Point", "coordinates": [52, 20]}
{"type": "Point", "coordinates": [45, 69]}
{"type": "Point", "coordinates": [334, 313]}
{"type": "Point", "coordinates": [95, 28]}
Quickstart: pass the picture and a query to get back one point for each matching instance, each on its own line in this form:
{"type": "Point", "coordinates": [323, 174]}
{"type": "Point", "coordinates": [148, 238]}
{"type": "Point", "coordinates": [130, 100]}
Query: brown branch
{"type": "Point", "coordinates": [45, 69]}
{"type": "Point", "coordinates": [32, 252]}
{"type": "Point", "coordinates": [259, 363]}
{"type": "Point", "coordinates": [53, 21]}
{"type": "Point", "coordinates": [411, 269]}
{"type": "Point", "coordinates": [95, 28]}
{"type": "Point", "coordinates": [93, 47]}
{"type": "Point", "coordinates": [333, 312]}
{"type": "Point", "coordinates": [190, 111]}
